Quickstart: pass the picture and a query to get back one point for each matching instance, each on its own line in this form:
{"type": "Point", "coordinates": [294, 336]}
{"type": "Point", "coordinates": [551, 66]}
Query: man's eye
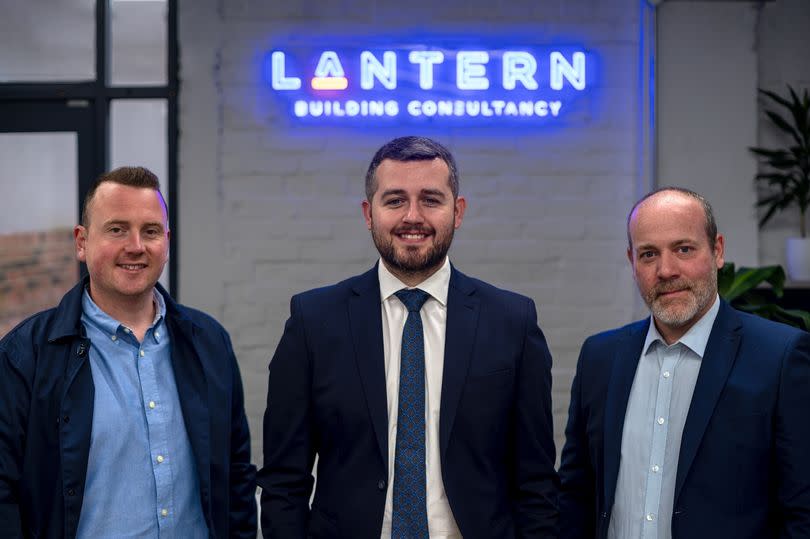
{"type": "Point", "coordinates": [116, 229]}
{"type": "Point", "coordinates": [431, 202]}
{"type": "Point", "coordinates": [684, 249]}
{"type": "Point", "coordinates": [394, 202]}
{"type": "Point", "coordinates": [646, 254]}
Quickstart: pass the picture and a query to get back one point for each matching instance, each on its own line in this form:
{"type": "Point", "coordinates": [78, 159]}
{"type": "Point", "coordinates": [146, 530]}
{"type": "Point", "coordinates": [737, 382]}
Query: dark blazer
{"type": "Point", "coordinates": [327, 396]}
{"type": "Point", "coordinates": [744, 464]}
{"type": "Point", "coordinates": [46, 414]}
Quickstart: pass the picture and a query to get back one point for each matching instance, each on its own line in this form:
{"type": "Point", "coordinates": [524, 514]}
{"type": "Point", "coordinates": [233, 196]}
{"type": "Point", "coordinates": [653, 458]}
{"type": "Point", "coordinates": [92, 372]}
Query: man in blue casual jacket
{"type": "Point", "coordinates": [121, 411]}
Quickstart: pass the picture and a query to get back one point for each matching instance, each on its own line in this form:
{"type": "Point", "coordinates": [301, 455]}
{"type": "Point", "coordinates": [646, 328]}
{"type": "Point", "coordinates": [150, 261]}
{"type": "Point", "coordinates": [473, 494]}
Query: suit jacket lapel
{"type": "Point", "coordinates": [718, 359]}
{"type": "Point", "coordinates": [622, 374]}
{"type": "Point", "coordinates": [365, 319]}
{"type": "Point", "coordinates": [462, 320]}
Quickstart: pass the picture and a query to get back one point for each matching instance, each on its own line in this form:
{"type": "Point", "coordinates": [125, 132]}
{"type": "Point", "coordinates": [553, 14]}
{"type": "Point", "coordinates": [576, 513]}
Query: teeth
{"type": "Point", "coordinates": [413, 236]}
{"type": "Point", "coordinates": [132, 266]}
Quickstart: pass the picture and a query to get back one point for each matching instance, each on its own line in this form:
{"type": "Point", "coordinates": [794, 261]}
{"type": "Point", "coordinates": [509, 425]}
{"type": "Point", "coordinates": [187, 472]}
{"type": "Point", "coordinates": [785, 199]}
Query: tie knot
{"type": "Point", "coordinates": [412, 298]}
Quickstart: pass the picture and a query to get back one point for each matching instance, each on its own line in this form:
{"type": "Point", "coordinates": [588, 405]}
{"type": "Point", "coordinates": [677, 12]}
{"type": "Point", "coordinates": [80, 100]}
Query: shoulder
{"type": "Point", "coordinates": [338, 293]}
{"type": "Point", "coordinates": [21, 344]}
{"type": "Point", "coordinates": [489, 293]}
{"type": "Point", "coordinates": [611, 337]}
{"type": "Point", "coordinates": [763, 334]}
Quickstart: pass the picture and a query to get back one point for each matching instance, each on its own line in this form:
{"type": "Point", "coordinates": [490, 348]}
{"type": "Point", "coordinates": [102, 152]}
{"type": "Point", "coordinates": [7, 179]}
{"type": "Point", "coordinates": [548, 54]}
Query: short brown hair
{"type": "Point", "coordinates": [131, 176]}
{"type": "Point", "coordinates": [411, 148]}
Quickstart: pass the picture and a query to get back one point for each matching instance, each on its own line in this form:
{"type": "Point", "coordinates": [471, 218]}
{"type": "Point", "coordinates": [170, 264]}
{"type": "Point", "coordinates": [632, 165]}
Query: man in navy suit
{"type": "Point", "coordinates": [692, 423]}
{"type": "Point", "coordinates": [475, 454]}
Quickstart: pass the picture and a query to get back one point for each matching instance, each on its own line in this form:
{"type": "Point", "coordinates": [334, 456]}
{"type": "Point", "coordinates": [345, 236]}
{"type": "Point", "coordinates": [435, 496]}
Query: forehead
{"type": "Point", "coordinates": [413, 175]}
{"type": "Point", "coordinates": [668, 217]}
{"type": "Point", "coordinates": [113, 201]}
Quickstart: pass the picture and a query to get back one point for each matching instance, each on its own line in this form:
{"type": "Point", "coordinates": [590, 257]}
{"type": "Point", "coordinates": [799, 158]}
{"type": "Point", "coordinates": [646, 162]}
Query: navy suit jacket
{"type": "Point", "coordinates": [744, 464]}
{"type": "Point", "coordinates": [327, 396]}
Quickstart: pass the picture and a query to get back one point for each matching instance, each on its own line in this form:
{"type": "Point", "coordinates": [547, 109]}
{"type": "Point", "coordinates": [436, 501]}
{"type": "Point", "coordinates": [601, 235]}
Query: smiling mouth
{"type": "Point", "coordinates": [132, 267]}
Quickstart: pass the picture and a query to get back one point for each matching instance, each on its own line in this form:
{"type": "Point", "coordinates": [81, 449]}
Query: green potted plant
{"type": "Point", "coordinates": [743, 289]}
{"type": "Point", "coordinates": [785, 174]}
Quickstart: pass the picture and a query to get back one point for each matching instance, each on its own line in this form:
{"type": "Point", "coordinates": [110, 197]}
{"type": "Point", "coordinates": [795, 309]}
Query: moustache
{"type": "Point", "coordinates": [671, 286]}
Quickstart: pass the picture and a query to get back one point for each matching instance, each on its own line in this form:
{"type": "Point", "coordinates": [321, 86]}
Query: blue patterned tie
{"type": "Point", "coordinates": [409, 518]}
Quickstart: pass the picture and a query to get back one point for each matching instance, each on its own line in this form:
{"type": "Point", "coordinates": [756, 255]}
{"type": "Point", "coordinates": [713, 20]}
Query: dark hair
{"type": "Point", "coordinates": [411, 149]}
{"type": "Point", "coordinates": [711, 223]}
{"type": "Point", "coordinates": [130, 176]}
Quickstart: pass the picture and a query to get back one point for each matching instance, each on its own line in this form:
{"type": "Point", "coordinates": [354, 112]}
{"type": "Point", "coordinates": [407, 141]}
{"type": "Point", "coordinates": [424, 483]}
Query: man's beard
{"type": "Point", "coordinates": [413, 262]}
{"type": "Point", "coordinates": [681, 311]}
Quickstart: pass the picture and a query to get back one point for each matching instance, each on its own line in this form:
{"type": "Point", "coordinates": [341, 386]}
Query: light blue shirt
{"type": "Point", "coordinates": [653, 425]}
{"type": "Point", "coordinates": [141, 476]}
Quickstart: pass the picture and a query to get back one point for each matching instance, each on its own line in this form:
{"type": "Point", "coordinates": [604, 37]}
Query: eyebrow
{"type": "Point", "coordinates": [431, 192]}
{"type": "Point", "coordinates": [675, 243]}
{"type": "Point", "coordinates": [127, 223]}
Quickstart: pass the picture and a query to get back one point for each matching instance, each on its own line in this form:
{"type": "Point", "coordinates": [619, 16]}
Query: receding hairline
{"type": "Point", "coordinates": [709, 221]}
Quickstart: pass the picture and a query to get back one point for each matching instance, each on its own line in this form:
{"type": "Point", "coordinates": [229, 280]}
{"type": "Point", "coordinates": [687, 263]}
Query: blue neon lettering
{"type": "Point", "coordinates": [426, 60]}
{"type": "Point", "coordinates": [470, 70]}
{"type": "Point", "coordinates": [279, 80]}
{"type": "Point", "coordinates": [560, 68]}
{"type": "Point", "coordinates": [371, 68]}
{"type": "Point", "coordinates": [519, 66]}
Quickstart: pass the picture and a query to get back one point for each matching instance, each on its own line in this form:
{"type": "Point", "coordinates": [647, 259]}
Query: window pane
{"type": "Point", "coordinates": [38, 172]}
{"type": "Point", "coordinates": [47, 41]}
{"type": "Point", "coordinates": [138, 30]}
{"type": "Point", "coordinates": [138, 138]}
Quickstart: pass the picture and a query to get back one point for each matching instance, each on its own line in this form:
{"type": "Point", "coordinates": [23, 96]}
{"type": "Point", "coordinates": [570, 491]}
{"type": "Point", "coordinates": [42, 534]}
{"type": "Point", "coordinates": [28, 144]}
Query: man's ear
{"type": "Point", "coordinates": [367, 212]}
{"type": "Point", "coordinates": [79, 240]}
{"type": "Point", "coordinates": [460, 208]}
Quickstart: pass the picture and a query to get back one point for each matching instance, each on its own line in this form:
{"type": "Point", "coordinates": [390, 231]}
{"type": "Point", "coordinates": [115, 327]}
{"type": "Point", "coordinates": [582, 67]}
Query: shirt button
{"type": "Point", "coordinates": [157, 334]}
{"type": "Point", "coordinates": [164, 512]}
{"type": "Point", "coordinates": [666, 374]}
{"type": "Point", "coordinates": [159, 459]}
{"type": "Point", "coordinates": [114, 338]}
{"type": "Point", "coordinates": [142, 353]}
{"type": "Point", "coordinates": [152, 404]}
{"type": "Point", "coordinates": [127, 330]}
{"type": "Point", "coordinates": [660, 420]}
{"type": "Point", "coordinates": [655, 468]}
{"type": "Point", "coordinates": [381, 484]}
{"type": "Point", "coordinates": [650, 517]}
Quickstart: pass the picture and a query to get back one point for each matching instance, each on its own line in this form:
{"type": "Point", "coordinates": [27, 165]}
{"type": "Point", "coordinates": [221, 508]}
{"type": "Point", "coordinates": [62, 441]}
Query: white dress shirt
{"type": "Point", "coordinates": [653, 425]}
{"type": "Point", "coordinates": [441, 523]}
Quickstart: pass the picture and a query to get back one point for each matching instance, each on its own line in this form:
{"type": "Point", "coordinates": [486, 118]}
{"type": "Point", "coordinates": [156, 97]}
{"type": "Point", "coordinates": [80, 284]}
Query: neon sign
{"type": "Point", "coordinates": [422, 83]}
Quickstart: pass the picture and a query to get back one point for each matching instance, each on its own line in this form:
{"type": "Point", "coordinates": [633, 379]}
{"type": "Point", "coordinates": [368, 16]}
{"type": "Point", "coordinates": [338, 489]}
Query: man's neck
{"type": "Point", "coordinates": [135, 312]}
{"type": "Point", "coordinates": [412, 278]}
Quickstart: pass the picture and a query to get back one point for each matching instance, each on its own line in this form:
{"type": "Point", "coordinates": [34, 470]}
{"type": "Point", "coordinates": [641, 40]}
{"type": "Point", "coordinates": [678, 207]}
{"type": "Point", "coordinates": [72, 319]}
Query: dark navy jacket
{"type": "Point", "coordinates": [744, 463]}
{"type": "Point", "coordinates": [46, 414]}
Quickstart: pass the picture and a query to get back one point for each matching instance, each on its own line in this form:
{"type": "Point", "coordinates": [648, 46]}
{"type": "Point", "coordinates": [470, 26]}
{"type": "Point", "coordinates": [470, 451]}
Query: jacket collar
{"type": "Point", "coordinates": [67, 321]}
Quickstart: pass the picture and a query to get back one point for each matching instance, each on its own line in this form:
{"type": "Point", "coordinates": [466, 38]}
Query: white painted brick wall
{"type": "Point", "coordinates": [268, 209]}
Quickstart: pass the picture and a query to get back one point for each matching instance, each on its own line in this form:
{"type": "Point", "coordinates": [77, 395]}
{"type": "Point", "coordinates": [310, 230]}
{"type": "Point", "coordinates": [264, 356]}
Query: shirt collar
{"type": "Point", "coordinates": [436, 285]}
{"type": "Point", "coordinates": [110, 325]}
{"type": "Point", "coordinates": [695, 339]}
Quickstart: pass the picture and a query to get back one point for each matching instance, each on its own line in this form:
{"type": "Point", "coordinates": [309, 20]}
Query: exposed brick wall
{"type": "Point", "coordinates": [269, 209]}
{"type": "Point", "coordinates": [36, 269]}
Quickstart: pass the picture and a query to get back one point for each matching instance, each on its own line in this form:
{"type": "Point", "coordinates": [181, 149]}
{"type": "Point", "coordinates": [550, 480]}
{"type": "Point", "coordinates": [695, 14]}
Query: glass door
{"type": "Point", "coordinates": [46, 164]}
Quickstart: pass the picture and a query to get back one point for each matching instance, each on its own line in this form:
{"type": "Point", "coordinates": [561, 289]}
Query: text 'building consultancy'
{"type": "Point", "coordinates": [427, 84]}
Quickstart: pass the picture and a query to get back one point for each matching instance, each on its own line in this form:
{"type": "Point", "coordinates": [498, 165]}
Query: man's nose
{"type": "Point", "coordinates": [667, 266]}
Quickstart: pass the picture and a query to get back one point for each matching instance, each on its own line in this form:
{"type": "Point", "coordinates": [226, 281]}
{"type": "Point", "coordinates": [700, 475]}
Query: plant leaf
{"type": "Point", "coordinates": [746, 279]}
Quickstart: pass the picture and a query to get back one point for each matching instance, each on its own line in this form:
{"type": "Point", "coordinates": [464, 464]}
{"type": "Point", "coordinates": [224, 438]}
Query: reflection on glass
{"type": "Point", "coordinates": [138, 31]}
{"type": "Point", "coordinates": [138, 138]}
{"type": "Point", "coordinates": [48, 41]}
{"type": "Point", "coordinates": [37, 263]}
